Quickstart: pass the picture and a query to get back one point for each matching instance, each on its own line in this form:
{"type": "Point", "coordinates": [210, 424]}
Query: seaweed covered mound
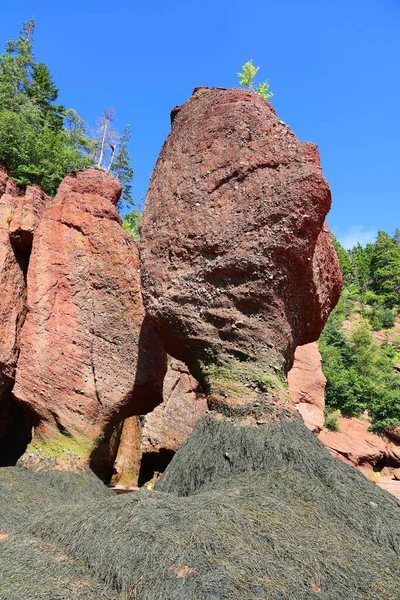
{"type": "Point", "coordinates": [298, 526]}
{"type": "Point", "coordinates": [25, 495]}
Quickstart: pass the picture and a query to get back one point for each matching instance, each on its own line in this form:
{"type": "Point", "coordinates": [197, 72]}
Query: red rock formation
{"type": "Point", "coordinates": [12, 289]}
{"type": "Point", "coordinates": [150, 442]}
{"type": "Point", "coordinates": [238, 263]}
{"type": "Point", "coordinates": [27, 214]}
{"type": "Point", "coordinates": [127, 464]}
{"type": "Point", "coordinates": [355, 445]}
{"type": "Point", "coordinates": [307, 386]}
{"type": "Point", "coordinates": [168, 426]}
{"type": "Point", "coordinates": [394, 433]}
{"type": "Point", "coordinates": [19, 214]}
{"type": "Point", "coordinates": [88, 356]}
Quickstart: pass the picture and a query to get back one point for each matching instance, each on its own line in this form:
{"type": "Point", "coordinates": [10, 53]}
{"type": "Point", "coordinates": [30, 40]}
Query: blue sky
{"type": "Point", "coordinates": [334, 68]}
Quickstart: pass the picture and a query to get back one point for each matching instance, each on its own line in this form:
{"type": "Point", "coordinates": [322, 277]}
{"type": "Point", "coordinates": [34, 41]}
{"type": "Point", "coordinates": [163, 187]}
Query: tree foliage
{"type": "Point", "coordinates": [131, 223]}
{"type": "Point", "coordinates": [247, 79]}
{"type": "Point", "coordinates": [360, 373]}
{"type": "Point", "coordinates": [385, 266]}
{"type": "Point", "coordinates": [41, 140]}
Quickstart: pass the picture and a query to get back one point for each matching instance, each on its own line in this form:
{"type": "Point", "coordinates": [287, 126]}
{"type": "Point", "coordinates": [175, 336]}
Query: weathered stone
{"type": "Point", "coordinates": [26, 217]}
{"type": "Point", "coordinates": [170, 423]}
{"type": "Point", "coordinates": [394, 433]}
{"type": "Point", "coordinates": [12, 288]}
{"type": "Point", "coordinates": [127, 464]}
{"type": "Point", "coordinates": [89, 357]}
{"type": "Point", "coordinates": [307, 385]}
{"type": "Point", "coordinates": [238, 265]}
{"type": "Point", "coordinates": [148, 443]}
{"type": "Point", "coordinates": [25, 209]}
{"type": "Point", "coordinates": [355, 445]}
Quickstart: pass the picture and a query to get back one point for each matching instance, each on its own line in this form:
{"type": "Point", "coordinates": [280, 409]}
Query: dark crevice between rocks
{"type": "Point", "coordinates": [18, 431]}
{"type": "Point", "coordinates": [385, 461]}
{"type": "Point", "coordinates": [105, 453]}
{"type": "Point", "coordinates": [154, 463]}
{"type": "Point", "coordinates": [22, 248]}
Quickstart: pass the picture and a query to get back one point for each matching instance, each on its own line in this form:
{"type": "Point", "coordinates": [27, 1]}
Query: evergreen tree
{"type": "Point", "coordinates": [122, 169]}
{"type": "Point", "coordinates": [344, 261]}
{"type": "Point", "coordinates": [41, 141]}
{"type": "Point", "coordinates": [385, 266]}
{"type": "Point", "coordinates": [34, 145]}
{"type": "Point", "coordinates": [360, 260]}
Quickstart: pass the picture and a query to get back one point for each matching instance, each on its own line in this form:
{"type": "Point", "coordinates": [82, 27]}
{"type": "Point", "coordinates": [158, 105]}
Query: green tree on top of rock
{"type": "Point", "coordinates": [247, 79]}
{"type": "Point", "coordinates": [34, 145]}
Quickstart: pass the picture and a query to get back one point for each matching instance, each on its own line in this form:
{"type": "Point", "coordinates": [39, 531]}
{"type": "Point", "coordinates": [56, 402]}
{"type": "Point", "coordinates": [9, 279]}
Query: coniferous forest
{"type": "Point", "coordinates": [360, 345]}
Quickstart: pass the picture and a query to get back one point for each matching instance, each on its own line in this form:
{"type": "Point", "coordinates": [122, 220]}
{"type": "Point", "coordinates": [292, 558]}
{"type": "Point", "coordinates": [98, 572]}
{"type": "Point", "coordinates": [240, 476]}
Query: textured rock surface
{"type": "Point", "coordinates": [394, 433]}
{"type": "Point", "coordinates": [88, 356]}
{"type": "Point", "coordinates": [148, 443]}
{"type": "Point", "coordinates": [238, 263]}
{"type": "Point", "coordinates": [357, 446]}
{"type": "Point", "coordinates": [127, 464]}
{"type": "Point", "coordinates": [19, 215]}
{"type": "Point", "coordinates": [12, 290]}
{"type": "Point", "coordinates": [307, 385]}
{"type": "Point", "coordinates": [168, 426]}
{"type": "Point", "coordinates": [26, 217]}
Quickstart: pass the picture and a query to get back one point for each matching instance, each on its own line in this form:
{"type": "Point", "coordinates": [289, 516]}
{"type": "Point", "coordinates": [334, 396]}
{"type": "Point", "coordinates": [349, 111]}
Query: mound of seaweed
{"type": "Point", "coordinates": [25, 495]}
{"type": "Point", "coordinates": [304, 526]}
{"type": "Point", "coordinates": [219, 446]}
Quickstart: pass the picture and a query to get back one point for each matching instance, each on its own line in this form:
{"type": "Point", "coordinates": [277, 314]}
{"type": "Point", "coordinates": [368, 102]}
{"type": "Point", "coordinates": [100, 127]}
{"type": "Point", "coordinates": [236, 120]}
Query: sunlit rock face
{"type": "Point", "coordinates": [238, 266]}
{"type": "Point", "coordinates": [88, 357]}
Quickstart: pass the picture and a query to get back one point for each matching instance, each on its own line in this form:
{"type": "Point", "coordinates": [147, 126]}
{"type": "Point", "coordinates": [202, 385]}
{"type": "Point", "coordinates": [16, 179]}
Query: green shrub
{"type": "Point", "coordinates": [247, 79]}
{"type": "Point", "coordinates": [381, 317]}
{"type": "Point", "coordinates": [332, 420]}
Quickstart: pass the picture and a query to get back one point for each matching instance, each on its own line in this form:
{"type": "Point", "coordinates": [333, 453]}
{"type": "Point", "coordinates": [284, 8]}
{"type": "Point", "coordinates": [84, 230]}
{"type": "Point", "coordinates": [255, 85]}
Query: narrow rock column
{"type": "Point", "coordinates": [20, 213]}
{"type": "Point", "coordinates": [89, 357]}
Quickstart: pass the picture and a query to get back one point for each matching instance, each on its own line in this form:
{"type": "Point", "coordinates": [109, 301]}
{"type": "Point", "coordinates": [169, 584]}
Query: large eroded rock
{"type": "Point", "coordinates": [238, 266]}
{"type": "Point", "coordinates": [20, 213]}
{"type": "Point", "coordinates": [88, 356]}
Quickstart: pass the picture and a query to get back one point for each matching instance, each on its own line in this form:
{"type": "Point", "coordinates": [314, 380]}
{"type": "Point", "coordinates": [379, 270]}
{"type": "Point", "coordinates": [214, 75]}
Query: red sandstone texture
{"type": "Point", "coordinates": [27, 214]}
{"type": "Point", "coordinates": [237, 260]}
{"type": "Point", "coordinates": [127, 464]}
{"type": "Point", "coordinates": [164, 429]}
{"type": "Point", "coordinates": [12, 285]}
{"type": "Point", "coordinates": [307, 385]}
{"type": "Point", "coordinates": [19, 214]}
{"type": "Point", "coordinates": [357, 446]}
{"type": "Point", "coordinates": [88, 356]}
{"type": "Point", "coordinates": [168, 426]}
{"type": "Point", "coordinates": [394, 433]}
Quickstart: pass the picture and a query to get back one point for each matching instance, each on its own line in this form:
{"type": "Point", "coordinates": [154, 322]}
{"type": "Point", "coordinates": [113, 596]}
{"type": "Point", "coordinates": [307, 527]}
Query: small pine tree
{"type": "Point", "coordinates": [121, 168]}
{"type": "Point", "coordinates": [247, 79]}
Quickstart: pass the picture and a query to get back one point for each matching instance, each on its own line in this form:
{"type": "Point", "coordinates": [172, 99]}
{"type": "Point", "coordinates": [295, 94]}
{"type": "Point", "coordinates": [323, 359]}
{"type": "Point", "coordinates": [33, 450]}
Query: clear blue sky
{"type": "Point", "coordinates": [333, 65]}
